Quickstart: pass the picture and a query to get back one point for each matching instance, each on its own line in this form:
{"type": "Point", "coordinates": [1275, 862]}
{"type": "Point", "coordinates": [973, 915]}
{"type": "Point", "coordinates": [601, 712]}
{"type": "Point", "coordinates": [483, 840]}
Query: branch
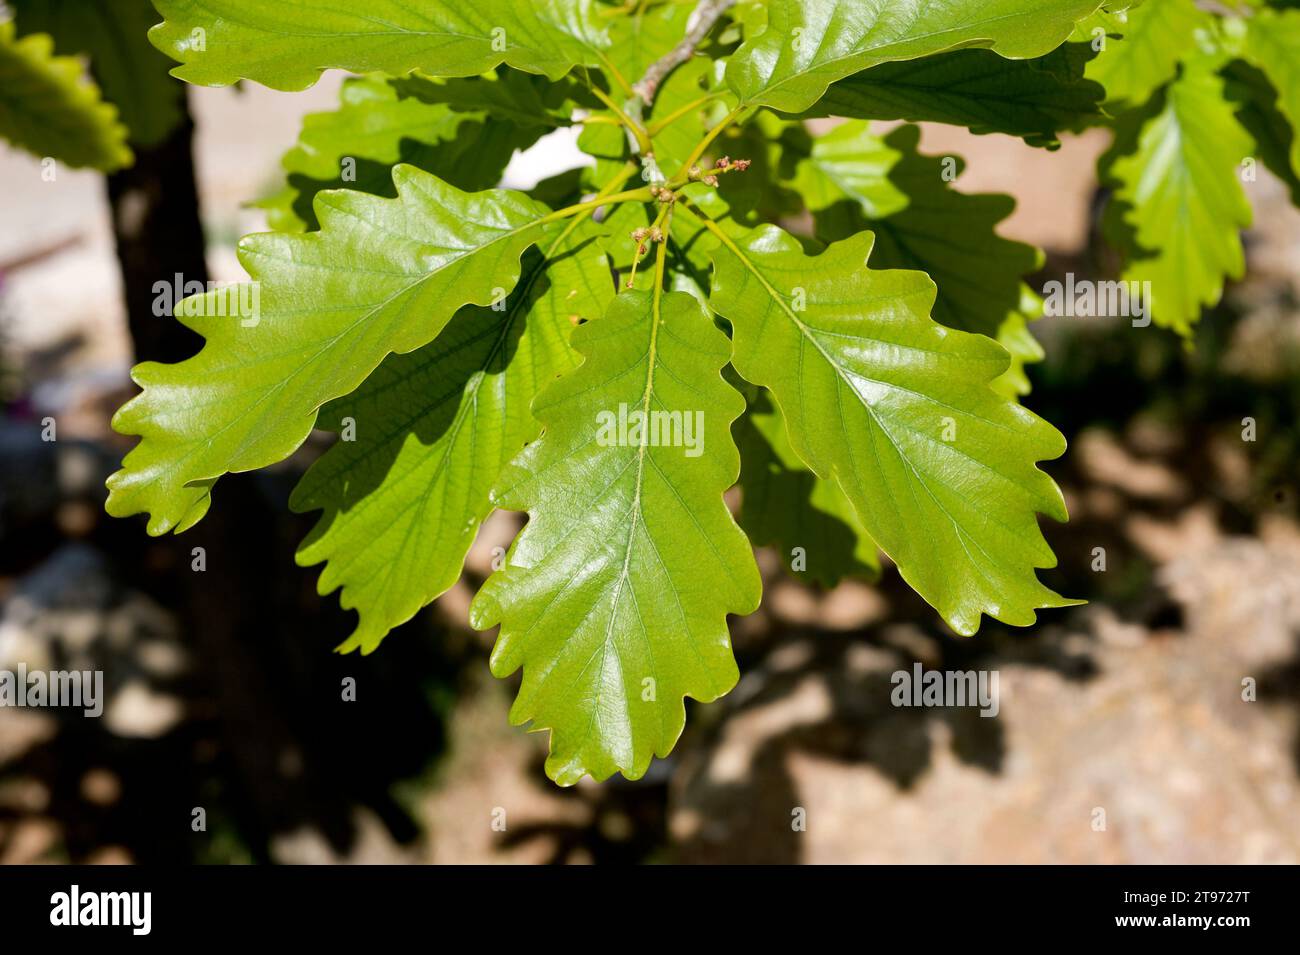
{"type": "Point", "coordinates": [706, 15]}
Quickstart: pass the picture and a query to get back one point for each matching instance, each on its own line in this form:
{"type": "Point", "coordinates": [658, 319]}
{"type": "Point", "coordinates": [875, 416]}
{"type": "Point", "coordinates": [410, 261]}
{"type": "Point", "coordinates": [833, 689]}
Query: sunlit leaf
{"type": "Point", "coordinates": [898, 410]}
{"type": "Point", "coordinates": [614, 597]}
{"type": "Point", "coordinates": [286, 45]}
{"type": "Point", "coordinates": [382, 275]}
{"type": "Point", "coordinates": [810, 44]}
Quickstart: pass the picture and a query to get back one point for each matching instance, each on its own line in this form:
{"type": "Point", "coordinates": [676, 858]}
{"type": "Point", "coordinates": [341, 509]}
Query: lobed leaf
{"type": "Point", "coordinates": [376, 127]}
{"type": "Point", "coordinates": [1033, 99]}
{"type": "Point", "coordinates": [50, 109]}
{"type": "Point", "coordinates": [898, 410]}
{"type": "Point", "coordinates": [1179, 194]}
{"type": "Point", "coordinates": [434, 428]}
{"type": "Point", "coordinates": [614, 597]}
{"type": "Point", "coordinates": [1255, 99]}
{"type": "Point", "coordinates": [810, 44]}
{"type": "Point", "coordinates": [286, 45]}
{"type": "Point", "coordinates": [382, 275]}
{"type": "Point", "coordinates": [1155, 38]}
{"type": "Point", "coordinates": [853, 181]}
{"type": "Point", "coordinates": [132, 74]}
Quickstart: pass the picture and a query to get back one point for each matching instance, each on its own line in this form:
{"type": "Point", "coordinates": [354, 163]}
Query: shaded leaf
{"type": "Point", "coordinates": [788, 506]}
{"type": "Point", "coordinates": [1249, 90]}
{"type": "Point", "coordinates": [49, 108]}
{"type": "Point", "coordinates": [853, 181]}
{"type": "Point", "coordinates": [1156, 36]}
{"type": "Point", "coordinates": [405, 497]}
{"type": "Point", "coordinates": [1273, 45]}
{"type": "Point", "coordinates": [115, 36]}
{"type": "Point", "coordinates": [507, 94]}
{"type": "Point", "coordinates": [1033, 99]}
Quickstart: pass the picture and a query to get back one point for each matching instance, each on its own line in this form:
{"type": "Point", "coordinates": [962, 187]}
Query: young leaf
{"type": "Point", "coordinates": [382, 275]}
{"type": "Point", "coordinates": [1273, 44]}
{"type": "Point", "coordinates": [1156, 36]}
{"type": "Point", "coordinates": [48, 108]}
{"type": "Point", "coordinates": [1184, 201]}
{"type": "Point", "coordinates": [132, 74]}
{"type": "Point", "coordinates": [374, 128]}
{"type": "Point", "coordinates": [788, 506]}
{"type": "Point", "coordinates": [1033, 99]}
{"type": "Point", "coordinates": [286, 45]}
{"type": "Point", "coordinates": [810, 44]}
{"type": "Point", "coordinates": [405, 495]}
{"type": "Point", "coordinates": [898, 410]}
{"type": "Point", "coordinates": [615, 595]}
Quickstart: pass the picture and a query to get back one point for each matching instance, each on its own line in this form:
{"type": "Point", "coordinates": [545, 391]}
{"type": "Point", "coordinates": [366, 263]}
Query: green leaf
{"type": "Point", "coordinates": [788, 506]}
{"type": "Point", "coordinates": [848, 165]}
{"type": "Point", "coordinates": [507, 94]}
{"type": "Point", "coordinates": [853, 181]}
{"type": "Point", "coordinates": [1180, 195]}
{"type": "Point", "coordinates": [1033, 99]}
{"type": "Point", "coordinates": [1156, 36]}
{"type": "Point", "coordinates": [48, 108]}
{"type": "Point", "coordinates": [355, 147]}
{"type": "Point", "coordinates": [286, 45]}
{"type": "Point", "coordinates": [132, 74]}
{"type": "Point", "coordinates": [1255, 99]}
{"type": "Point", "coordinates": [614, 597]}
{"type": "Point", "coordinates": [405, 496]}
{"type": "Point", "coordinates": [382, 275]}
{"type": "Point", "coordinates": [637, 41]}
{"type": "Point", "coordinates": [1273, 45]}
{"type": "Point", "coordinates": [898, 410]}
{"type": "Point", "coordinates": [607, 144]}
{"type": "Point", "coordinates": [810, 44]}
{"type": "Point", "coordinates": [1014, 335]}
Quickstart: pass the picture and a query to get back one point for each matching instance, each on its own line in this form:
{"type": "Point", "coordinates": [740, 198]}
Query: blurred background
{"type": "Point", "coordinates": [223, 692]}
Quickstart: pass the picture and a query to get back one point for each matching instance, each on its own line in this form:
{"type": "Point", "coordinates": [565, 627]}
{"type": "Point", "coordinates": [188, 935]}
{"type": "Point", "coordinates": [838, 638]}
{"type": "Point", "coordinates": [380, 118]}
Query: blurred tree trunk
{"type": "Point", "coordinates": [259, 635]}
{"type": "Point", "coordinates": [158, 229]}
{"type": "Point", "coordinates": [159, 234]}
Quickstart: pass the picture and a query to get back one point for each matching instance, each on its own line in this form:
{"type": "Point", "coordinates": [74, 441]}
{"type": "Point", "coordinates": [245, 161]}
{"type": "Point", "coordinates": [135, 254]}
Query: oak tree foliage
{"type": "Point", "coordinates": [724, 294]}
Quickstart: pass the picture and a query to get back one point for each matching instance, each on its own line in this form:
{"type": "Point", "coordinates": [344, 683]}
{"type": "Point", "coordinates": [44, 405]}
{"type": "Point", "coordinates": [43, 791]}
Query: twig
{"type": "Point", "coordinates": [706, 15]}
